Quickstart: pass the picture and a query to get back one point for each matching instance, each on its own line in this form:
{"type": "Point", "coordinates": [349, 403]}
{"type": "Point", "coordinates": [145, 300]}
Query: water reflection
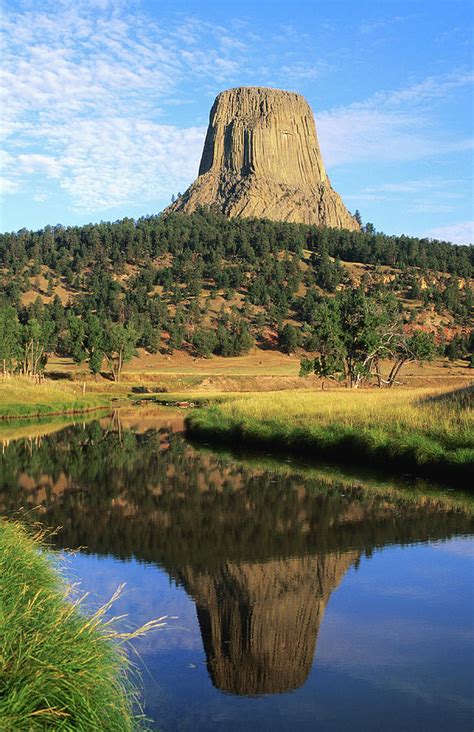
{"type": "Point", "coordinates": [259, 550]}
{"type": "Point", "coordinates": [260, 621]}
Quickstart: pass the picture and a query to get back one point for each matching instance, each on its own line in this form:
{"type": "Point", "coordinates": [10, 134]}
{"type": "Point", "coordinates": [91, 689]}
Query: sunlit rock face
{"type": "Point", "coordinates": [261, 159]}
{"type": "Point", "coordinates": [260, 621]}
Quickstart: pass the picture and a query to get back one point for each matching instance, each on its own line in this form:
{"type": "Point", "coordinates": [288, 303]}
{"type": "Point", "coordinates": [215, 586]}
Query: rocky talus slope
{"type": "Point", "coordinates": [261, 159]}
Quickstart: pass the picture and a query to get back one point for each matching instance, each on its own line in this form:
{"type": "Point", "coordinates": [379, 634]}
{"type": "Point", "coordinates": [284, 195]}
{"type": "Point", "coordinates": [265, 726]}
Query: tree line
{"type": "Point", "coordinates": [70, 250]}
{"type": "Point", "coordinates": [29, 338]}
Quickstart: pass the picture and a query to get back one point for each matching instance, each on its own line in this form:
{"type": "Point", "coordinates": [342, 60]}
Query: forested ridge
{"type": "Point", "coordinates": [212, 236]}
{"type": "Point", "coordinates": [210, 285]}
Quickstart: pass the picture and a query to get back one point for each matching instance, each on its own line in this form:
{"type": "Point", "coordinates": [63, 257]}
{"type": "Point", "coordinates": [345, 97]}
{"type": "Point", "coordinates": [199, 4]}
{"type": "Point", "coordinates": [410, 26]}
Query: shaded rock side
{"type": "Point", "coordinates": [261, 159]}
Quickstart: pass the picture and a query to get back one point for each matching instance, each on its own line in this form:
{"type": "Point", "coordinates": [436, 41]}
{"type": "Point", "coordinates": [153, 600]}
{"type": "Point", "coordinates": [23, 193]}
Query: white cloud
{"type": "Point", "coordinates": [82, 105]}
{"type": "Point", "coordinates": [429, 90]}
{"type": "Point", "coordinates": [358, 198]}
{"type": "Point", "coordinates": [46, 165]}
{"type": "Point", "coordinates": [114, 161]}
{"type": "Point", "coordinates": [303, 71]}
{"type": "Point", "coordinates": [435, 195]}
{"type": "Point", "coordinates": [415, 186]}
{"type": "Point", "coordinates": [393, 126]}
{"type": "Point", "coordinates": [460, 233]}
{"type": "Point", "coordinates": [422, 206]}
{"type": "Point", "coordinates": [8, 186]}
{"type": "Point", "coordinates": [367, 27]}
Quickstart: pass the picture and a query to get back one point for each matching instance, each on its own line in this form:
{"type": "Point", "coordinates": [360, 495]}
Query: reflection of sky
{"type": "Point", "coordinates": [461, 545]}
{"type": "Point", "coordinates": [148, 593]}
{"type": "Point", "coordinates": [394, 652]}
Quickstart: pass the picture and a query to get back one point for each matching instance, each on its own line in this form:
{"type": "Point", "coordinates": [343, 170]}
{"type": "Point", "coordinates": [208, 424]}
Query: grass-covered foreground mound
{"type": "Point", "coordinates": [430, 433]}
{"type": "Point", "coordinates": [20, 397]}
{"type": "Point", "coordinates": [59, 669]}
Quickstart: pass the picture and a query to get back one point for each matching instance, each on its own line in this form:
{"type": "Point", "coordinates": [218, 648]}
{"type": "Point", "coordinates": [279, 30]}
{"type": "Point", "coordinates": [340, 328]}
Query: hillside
{"type": "Point", "coordinates": [204, 284]}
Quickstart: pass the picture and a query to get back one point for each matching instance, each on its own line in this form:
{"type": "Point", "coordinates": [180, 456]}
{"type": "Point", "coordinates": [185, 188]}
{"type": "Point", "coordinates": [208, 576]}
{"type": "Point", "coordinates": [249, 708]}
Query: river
{"type": "Point", "coordinates": [297, 597]}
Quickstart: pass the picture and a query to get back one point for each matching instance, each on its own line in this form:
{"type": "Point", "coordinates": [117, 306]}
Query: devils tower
{"type": "Point", "coordinates": [261, 159]}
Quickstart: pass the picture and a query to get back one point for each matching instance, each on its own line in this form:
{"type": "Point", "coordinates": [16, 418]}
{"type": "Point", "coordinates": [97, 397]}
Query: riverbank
{"type": "Point", "coordinates": [58, 667]}
{"type": "Point", "coordinates": [22, 398]}
{"type": "Point", "coordinates": [426, 432]}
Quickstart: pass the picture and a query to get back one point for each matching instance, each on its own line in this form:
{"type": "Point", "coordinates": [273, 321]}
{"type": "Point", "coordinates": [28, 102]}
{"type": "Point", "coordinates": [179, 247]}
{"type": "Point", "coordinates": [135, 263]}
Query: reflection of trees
{"type": "Point", "coordinates": [259, 551]}
{"type": "Point", "coordinates": [154, 497]}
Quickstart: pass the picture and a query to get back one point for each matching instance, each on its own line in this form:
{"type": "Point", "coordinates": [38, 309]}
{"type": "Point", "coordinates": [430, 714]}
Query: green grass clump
{"type": "Point", "coordinates": [412, 430]}
{"type": "Point", "coordinates": [59, 668]}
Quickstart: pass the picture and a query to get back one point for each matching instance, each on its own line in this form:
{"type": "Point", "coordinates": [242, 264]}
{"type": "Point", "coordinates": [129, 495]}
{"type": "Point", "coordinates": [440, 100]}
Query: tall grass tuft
{"type": "Point", "coordinates": [59, 668]}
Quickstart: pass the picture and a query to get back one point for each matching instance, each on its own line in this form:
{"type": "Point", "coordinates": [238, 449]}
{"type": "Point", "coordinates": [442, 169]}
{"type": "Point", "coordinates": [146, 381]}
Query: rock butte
{"type": "Point", "coordinates": [261, 159]}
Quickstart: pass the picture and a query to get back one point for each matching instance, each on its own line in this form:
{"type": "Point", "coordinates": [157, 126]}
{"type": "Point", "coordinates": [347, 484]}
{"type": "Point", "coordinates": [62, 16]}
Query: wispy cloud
{"type": "Point", "coordinates": [415, 186]}
{"type": "Point", "coordinates": [136, 160]}
{"type": "Point", "coordinates": [423, 206]}
{"type": "Point", "coordinates": [84, 105]}
{"type": "Point", "coordinates": [375, 26]}
{"type": "Point", "coordinates": [434, 196]}
{"type": "Point", "coordinates": [8, 185]}
{"type": "Point", "coordinates": [87, 88]}
{"type": "Point", "coordinates": [431, 89]}
{"type": "Point", "coordinates": [460, 233]}
{"type": "Point", "coordinates": [300, 71]}
{"type": "Point", "coordinates": [426, 195]}
{"type": "Point", "coordinates": [392, 126]}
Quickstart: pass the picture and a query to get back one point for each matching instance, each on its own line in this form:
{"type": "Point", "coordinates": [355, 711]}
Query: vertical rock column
{"type": "Point", "coordinates": [261, 159]}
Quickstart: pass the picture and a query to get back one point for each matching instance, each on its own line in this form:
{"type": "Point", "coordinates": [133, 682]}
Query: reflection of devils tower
{"type": "Point", "coordinates": [260, 622]}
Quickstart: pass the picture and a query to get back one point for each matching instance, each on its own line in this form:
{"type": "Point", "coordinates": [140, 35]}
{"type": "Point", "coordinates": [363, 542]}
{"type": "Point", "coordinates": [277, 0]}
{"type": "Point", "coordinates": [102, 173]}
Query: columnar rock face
{"type": "Point", "coordinates": [262, 159]}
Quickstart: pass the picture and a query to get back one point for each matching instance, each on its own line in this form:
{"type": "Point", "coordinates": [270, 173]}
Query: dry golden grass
{"type": "Point", "coordinates": [258, 364]}
{"type": "Point", "coordinates": [423, 430]}
{"type": "Point", "coordinates": [418, 410]}
{"type": "Point", "coordinates": [21, 396]}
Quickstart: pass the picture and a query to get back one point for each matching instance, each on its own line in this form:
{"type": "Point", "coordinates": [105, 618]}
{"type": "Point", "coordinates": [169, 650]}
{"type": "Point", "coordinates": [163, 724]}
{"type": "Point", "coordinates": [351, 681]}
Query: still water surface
{"type": "Point", "coordinates": [297, 599]}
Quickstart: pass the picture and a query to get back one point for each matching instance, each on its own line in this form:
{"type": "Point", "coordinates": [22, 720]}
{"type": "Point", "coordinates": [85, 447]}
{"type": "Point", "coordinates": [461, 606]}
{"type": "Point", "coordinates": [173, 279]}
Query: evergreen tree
{"type": "Point", "coordinates": [204, 342]}
{"type": "Point", "coordinates": [288, 338]}
{"type": "Point", "coordinates": [10, 347]}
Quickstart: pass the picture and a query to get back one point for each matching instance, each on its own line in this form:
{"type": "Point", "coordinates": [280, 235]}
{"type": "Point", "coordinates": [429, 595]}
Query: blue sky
{"type": "Point", "coordinates": [105, 103]}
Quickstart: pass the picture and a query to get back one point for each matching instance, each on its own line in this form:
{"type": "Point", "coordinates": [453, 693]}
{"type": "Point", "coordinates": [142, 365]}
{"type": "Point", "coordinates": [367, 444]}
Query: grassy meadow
{"type": "Point", "coordinates": [423, 430]}
{"type": "Point", "coordinates": [21, 397]}
{"type": "Point", "coordinates": [59, 668]}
